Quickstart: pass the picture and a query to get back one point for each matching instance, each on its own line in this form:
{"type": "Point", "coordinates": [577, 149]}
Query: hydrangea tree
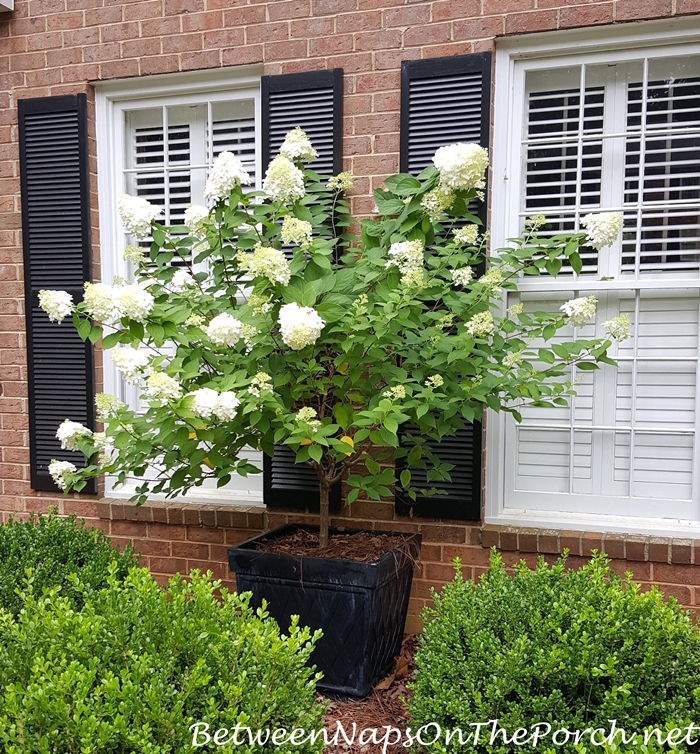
{"type": "Point", "coordinates": [264, 320]}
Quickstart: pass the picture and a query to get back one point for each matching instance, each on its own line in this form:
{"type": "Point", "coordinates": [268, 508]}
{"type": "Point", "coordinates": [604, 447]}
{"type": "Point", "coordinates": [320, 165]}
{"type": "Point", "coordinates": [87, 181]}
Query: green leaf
{"type": "Point", "coordinates": [95, 334]}
{"type": "Point", "coordinates": [84, 328]}
{"type": "Point", "coordinates": [405, 478]}
{"type": "Point", "coordinates": [111, 340]}
{"type": "Point", "coordinates": [586, 366]}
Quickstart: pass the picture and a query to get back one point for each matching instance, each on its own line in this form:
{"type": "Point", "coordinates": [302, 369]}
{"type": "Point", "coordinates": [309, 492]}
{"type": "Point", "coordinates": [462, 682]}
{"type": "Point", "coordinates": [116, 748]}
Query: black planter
{"type": "Point", "coordinates": [360, 607]}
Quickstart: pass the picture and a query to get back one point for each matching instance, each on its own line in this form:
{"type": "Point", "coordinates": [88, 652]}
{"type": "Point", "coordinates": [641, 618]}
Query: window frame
{"type": "Point", "coordinates": [112, 100]}
{"type": "Point", "coordinates": [514, 56]}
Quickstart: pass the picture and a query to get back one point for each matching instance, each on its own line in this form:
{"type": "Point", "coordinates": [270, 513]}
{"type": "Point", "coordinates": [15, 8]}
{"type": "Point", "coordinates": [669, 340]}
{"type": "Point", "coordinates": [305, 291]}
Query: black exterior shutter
{"type": "Point", "coordinates": [444, 101]}
{"type": "Point", "coordinates": [56, 237]}
{"type": "Point", "coordinates": [313, 101]}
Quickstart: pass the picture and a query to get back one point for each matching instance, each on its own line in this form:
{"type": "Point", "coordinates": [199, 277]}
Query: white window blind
{"type": "Point", "coordinates": [622, 135]}
{"type": "Point", "coordinates": [170, 172]}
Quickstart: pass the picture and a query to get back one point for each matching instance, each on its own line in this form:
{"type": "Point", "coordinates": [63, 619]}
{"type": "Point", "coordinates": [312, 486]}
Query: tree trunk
{"type": "Point", "coordinates": [325, 515]}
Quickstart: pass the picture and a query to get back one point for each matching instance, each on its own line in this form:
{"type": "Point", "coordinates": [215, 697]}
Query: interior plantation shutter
{"type": "Point", "coordinates": [56, 237]}
{"type": "Point", "coordinates": [314, 102]}
{"type": "Point", "coordinates": [444, 101]}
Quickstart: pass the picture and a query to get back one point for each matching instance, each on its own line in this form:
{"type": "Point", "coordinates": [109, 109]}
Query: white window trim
{"type": "Point", "coordinates": [601, 45]}
{"type": "Point", "coordinates": [112, 98]}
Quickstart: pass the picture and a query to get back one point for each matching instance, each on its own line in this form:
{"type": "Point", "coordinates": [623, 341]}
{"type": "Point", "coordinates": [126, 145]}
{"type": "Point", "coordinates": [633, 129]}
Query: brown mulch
{"type": "Point", "coordinates": [383, 707]}
{"type": "Point", "coordinates": [364, 546]}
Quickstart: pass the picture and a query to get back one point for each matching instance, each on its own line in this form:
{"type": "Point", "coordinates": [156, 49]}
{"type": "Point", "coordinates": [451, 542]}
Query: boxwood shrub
{"type": "Point", "coordinates": [53, 548]}
{"type": "Point", "coordinates": [138, 665]}
{"type": "Point", "coordinates": [574, 648]}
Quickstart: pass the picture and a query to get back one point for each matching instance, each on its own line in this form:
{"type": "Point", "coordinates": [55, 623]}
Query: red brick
{"type": "Point", "coordinates": [628, 10]}
{"type": "Point", "coordinates": [182, 43]}
{"type": "Point", "coordinates": [639, 571]}
{"type": "Point", "coordinates": [417, 36]}
{"type": "Point", "coordinates": [614, 545]}
{"type": "Point", "coordinates": [192, 61]}
{"type": "Point", "coordinates": [454, 9]}
{"type": "Point", "coordinates": [286, 50]}
{"type": "Point", "coordinates": [333, 45]}
{"type": "Point", "coordinates": [129, 529]}
{"type": "Point", "coordinates": [184, 7]}
{"type": "Point", "coordinates": [189, 550]}
{"type": "Point", "coordinates": [440, 533]}
{"type": "Point", "coordinates": [494, 7]}
{"type": "Point", "coordinates": [331, 7]}
{"type": "Point", "coordinates": [539, 20]}
{"type": "Point", "coordinates": [468, 554]}
{"type": "Point", "coordinates": [117, 69]}
{"type": "Point", "coordinates": [585, 15]}
{"type": "Point", "coordinates": [312, 27]}
{"type": "Point", "coordinates": [548, 542]}
{"type": "Point", "coordinates": [527, 541]}
{"type": "Point", "coordinates": [136, 48]}
{"type": "Point", "coordinates": [158, 64]}
{"type": "Point", "coordinates": [167, 565]}
{"type": "Point", "coordinates": [635, 548]}
{"type": "Point", "coordinates": [353, 63]}
{"type": "Point", "coordinates": [378, 40]}
{"type": "Point", "coordinates": [682, 551]}
{"type": "Point", "coordinates": [352, 22]}
{"type": "Point", "coordinates": [250, 14]}
{"type": "Point", "coordinates": [571, 541]}
{"type": "Point", "coordinates": [152, 547]}
{"type": "Point", "coordinates": [478, 28]}
{"type": "Point", "coordinates": [408, 16]}
{"type": "Point", "coordinates": [591, 541]}
{"type": "Point", "coordinates": [658, 549]}
{"type": "Point", "coordinates": [676, 574]}
{"type": "Point", "coordinates": [140, 10]}
{"type": "Point", "coordinates": [201, 534]}
{"type": "Point", "coordinates": [285, 9]}
{"type": "Point", "coordinates": [166, 531]}
{"type": "Point", "coordinates": [687, 6]}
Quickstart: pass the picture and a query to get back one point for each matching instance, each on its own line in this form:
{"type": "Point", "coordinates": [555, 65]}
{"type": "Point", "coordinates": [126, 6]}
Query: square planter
{"type": "Point", "coordinates": [360, 607]}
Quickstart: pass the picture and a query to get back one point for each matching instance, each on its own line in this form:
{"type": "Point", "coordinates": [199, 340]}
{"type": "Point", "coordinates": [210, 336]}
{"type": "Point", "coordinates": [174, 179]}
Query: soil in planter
{"type": "Point", "coordinates": [362, 546]}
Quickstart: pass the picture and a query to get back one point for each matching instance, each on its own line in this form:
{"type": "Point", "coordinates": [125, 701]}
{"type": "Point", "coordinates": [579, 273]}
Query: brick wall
{"type": "Point", "coordinates": [50, 47]}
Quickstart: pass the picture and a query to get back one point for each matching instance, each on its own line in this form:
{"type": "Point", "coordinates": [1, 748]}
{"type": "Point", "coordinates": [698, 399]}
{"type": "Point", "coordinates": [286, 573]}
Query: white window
{"type": "Point", "coordinates": [157, 137]}
{"type": "Point", "coordinates": [597, 121]}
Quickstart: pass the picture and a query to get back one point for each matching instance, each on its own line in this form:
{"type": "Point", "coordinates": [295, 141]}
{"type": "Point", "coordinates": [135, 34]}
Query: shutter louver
{"type": "Point", "coordinates": [314, 102]}
{"type": "Point", "coordinates": [444, 101]}
{"type": "Point", "coordinates": [56, 237]}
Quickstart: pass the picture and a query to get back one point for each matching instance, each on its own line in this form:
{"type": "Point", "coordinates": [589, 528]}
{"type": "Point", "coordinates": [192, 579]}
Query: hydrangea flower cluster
{"type": "Point", "coordinates": [461, 166]}
{"type": "Point", "coordinates": [492, 279]}
{"type": "Point", "coordinates": [407, 256]}
{"type": "Point", "coordinates": [603, 228]}
{"type": "Point", "coordinates": [224, 330]}
{"type": "Point", "coordinates": [435, 202]}
{"type": "Point", "coordinates": [69, 432]}
{"type": "Point", "coordinates": [463, 276]}
{"type": "Point", "coordinates": [307, 415]}
{"type": "Point", "coordinates": [134, 254]}
{"type": "Point", "coordinates": [395, 393]}
{"type": "Point", "coordinates": [107, 405]}
{"type": "Point", "coordinates": [57, 304]}
{"type": "Point", "coordinates": [295, 231]}
{"type": "Point", "coordinates": [481, 325]}
{"type": "Point", "coordinates": [60, 470]}
{"type": "Point", "coordinates": [226, 173]}
{"type": "Point", "coordinates": [469, 234]}
{"type": "Point", "coordinates": [105, 447]}
{"type": "Point", "coordinates": [207, 403]}
{"type": "Point", "coordinates": [266, 262]}
{"type": "Point", "coordinates": [130, 362]}
{"type": "Point", "coordinates": [284, 182]}
{"type": "Point", "coordinates": [182, 280]}
{"type": "Point", "coordinates": [340, 182]}
{"type": "Point", "coordinates": [105, 303]}
{"type": "Point", "coordinates": [618, 327]}
{"type": "Point", "coordinates": [580, 310]}
{"type": "Point", "coordinates": [261, 383]}
{"type": "Point", "coordinates": [297, 147]}
{"type": "Point", "coordinates": [435, 381]}
{"type": "Point", "coordinates": [259, 304]}
{"type": "Point", "coordinates": [137, 214]}
{"type": "Point", "coordinates": [162, 387]}
{"type": "Point", "coordinates": [513, 359]}
{"type": "Point", "coordinates": [196, 219]}
{"type": "Point", "coordinates": [300, 325]}
{"type": "Point", "coordinates": [100, 302]}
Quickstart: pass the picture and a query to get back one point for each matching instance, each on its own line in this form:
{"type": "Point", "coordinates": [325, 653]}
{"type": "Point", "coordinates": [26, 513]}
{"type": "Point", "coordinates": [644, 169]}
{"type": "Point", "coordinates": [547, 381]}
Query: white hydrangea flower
{"type": "Point", "coordinates": [300, 325]}
{"type": "Point", "coordinates": [284, 182]}
{"type": "Point", "coordinates": [407, 256]}
{"type": "Point", "coordinates": [259, 304]}
{"type": "Point", "coordinates": [134, 254]}
{"type": "Point", "coordinates": [435, 381]}
{"type": "Point", "coordinates": [513, 359]}
{"type": "Point", "coordinates": [137, 214]}
{"type": "Point", "coordinates": [492, 279]}
{"type": "Point", "coordinates": [414, 279]}
{"type": "Point", "coordinates": [535, 222]}
{"type": "Point", "coordinates": [266, 262]}
{"type": "Point", "coordinates": [224, 330]}
{"type": "Point", "coordinates": [57, 304]}
{"type": "Point", "coordinates": [307, 415]}
{"type": "Point", "coordinates": [162, 387]}
{"type": "Point", "coordinates": [196, 219]}
{"type": "Point", "coordinates": [182, 280]}
{"type": "Point", "coordinates": [129, 362]}
{"type": "Point", "coordinates": [105, 447]}
{"type": "Point", "coordinates": [261, 383]}
{"type": "Point", "coordinates": [297, 147]}
{"type": "Point", "coordinates": [195, 320]}
{"type": "Point", "coordinates": [203, 401]}
{"type": "Point", "coordinates": [580, 310]}
{"type": "Point", "coordinates": [59, 470]}
{"type": "Point", "coordinates": [226, 405]}
{"type": "Point", "coordinates": [340, 182]}
{"type": "Point", "coordinates": [295, 231]}
{"type": "Point", "coordinates": [101, 302]}
{"type": "Point", "coordinates": [463, 276]}
{"type": "Point", "coordinates": [395, 393]}
{"type": "Point", "coordinates": [481, 325]}
{"type": "Point", "coordinates": [226, 173]}
{"type": "Point", "coordinates": [603, 228]}
{"type": "Point", "coordinates": [134, 301]}
{"type": "Point", "coordinates": [462, 166]}
{"type": "Point", "coordinates": [469, 234]}
{"type": "Point", "coordinates": [69, 432]}
{"type": "Point", "coordinates": [435, 202]}
{"type": "Point", "coordinates": [618, 327]}
{"type": "Point", "coordinates": [107, 405]}
{"type": "Point", "coordinates": [515, 309]}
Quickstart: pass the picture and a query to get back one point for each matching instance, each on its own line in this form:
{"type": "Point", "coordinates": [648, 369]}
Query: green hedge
{"type": "Point", "coordinates": [574, 648]}
{"type": "Point", "coordinates": [138, 665]}
{"type": "Point", "coordinates": [53, 548]}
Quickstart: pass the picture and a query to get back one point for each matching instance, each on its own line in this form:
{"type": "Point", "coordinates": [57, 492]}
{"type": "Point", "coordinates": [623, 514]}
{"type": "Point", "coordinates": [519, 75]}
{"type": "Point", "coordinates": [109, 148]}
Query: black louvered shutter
{"type": "Point", "coordinates": [56, 237]}
{"type": "Point", "coordinates": [444, 101]}
{"type": "Point", "coordinates": [314, 102]}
